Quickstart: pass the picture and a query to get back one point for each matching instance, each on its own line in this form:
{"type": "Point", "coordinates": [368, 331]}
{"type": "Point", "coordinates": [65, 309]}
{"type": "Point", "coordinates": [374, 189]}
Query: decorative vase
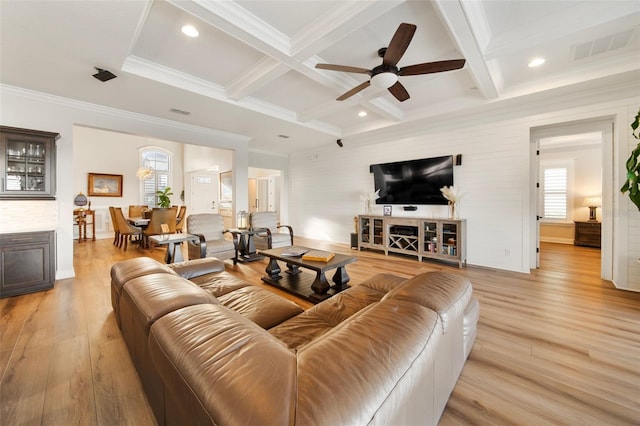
{"type": "Point", "coordinates": [452, 210]}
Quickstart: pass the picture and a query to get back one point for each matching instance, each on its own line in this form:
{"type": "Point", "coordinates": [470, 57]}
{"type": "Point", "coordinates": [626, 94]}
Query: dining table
{"type": "Point", "coordinates": [138, 221]}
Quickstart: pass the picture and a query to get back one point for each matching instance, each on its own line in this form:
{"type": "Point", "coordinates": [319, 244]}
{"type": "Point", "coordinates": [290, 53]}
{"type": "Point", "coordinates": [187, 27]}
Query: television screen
{"type": "Point", "coordinates": [414, 181]}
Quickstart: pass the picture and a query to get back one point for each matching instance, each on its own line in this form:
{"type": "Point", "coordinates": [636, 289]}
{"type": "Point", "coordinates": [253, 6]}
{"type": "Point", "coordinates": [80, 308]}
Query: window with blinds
{"type": "Point", "coordinates": [160, 163]}
{"type": "Point", "coordinates": [555, 189]}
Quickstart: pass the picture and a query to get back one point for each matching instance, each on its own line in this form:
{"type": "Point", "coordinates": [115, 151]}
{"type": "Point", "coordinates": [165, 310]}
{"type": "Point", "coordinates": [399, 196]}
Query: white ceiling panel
{"type": "Point", "coordinates": [252, 69]}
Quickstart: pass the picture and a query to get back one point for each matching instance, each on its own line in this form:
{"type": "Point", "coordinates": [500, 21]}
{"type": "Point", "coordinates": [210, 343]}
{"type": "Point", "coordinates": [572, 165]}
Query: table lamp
{"type": "Point", "coordinates": [592, 203]}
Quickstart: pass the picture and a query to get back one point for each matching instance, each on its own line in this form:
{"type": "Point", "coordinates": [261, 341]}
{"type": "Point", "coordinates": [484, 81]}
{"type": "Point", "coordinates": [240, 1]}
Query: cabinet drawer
{"type": "Point", "coordinates": [24, 238]}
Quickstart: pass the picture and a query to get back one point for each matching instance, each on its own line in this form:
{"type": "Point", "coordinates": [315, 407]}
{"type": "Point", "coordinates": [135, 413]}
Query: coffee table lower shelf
{"type": "Point", "coordinates": [299, 284]}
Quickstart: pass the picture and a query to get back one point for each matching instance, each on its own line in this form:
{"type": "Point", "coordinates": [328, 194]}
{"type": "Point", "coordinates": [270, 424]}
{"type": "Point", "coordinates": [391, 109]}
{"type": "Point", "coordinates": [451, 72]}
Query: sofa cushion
{"type": "Point", "coordinates": [197, 267]}
{"type": "Point", "coordinates": [260, 306]}
{"type": "Point", "coordinates": [372, 360]}
{"type": "Point", "coordinates": [126, 270]}
{"type": "Point", "coordinates": [383, 283]}
{"type": "Point", "coordinates": [219, 368]}
{"type": "Point", "coordinates": [311, 324]}
{"type": "Point", "coordinates": [219, 284]}
{"type": "Point", "coordinates": [444, 292]}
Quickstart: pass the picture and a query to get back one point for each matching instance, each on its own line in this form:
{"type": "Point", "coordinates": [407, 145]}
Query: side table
{"type": "Point", "coordinates": [246, 246]}
{"type": "Point", "coordinates": [172, 241]}
{"type": "Point", "coordinates": [587, 234]}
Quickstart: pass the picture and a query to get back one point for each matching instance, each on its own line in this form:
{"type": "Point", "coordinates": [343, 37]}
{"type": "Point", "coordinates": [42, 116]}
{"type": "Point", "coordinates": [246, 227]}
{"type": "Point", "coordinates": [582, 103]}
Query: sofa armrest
{"type": "Point", "coordinates": [290, 231]}
{"type": "Point", "coordinates": [197, 250]}
{"type": "Point", "coordinates": [261, 231]}
{"type": "Point", "coordinates": [197, 267]}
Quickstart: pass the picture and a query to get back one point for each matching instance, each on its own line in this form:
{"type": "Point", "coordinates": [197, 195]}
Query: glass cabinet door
{"type": "Point", "coordinates": [448, 238]}
{"type": "Point", "coordinates": [365, 231]}
{"type": "Point", "coordinates": [378, 231]}
{"type": "Point", "coordinates": [430, 239]}
{"type": "Point", "coordinates": [26, 167]}
{"type": "Point", "coordinates": [27, 163]}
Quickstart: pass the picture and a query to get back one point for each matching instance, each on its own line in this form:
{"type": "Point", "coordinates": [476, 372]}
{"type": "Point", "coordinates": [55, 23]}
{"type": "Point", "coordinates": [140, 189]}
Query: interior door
{"type": "Point", "coordinates": [253, 195]}
{"type": "Point", "coordinates": [263, 195]}
{"type": "Point", "coordinates": [204, 193]}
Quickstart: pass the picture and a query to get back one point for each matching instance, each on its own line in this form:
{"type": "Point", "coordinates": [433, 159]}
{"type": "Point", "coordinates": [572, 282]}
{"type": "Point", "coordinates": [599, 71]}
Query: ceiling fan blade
{"type": "Point", "coordinates": [342, 68]}
{"type": "Point", "coordinates": [398, 44]}
{"type": "Point", "coordinates": [354, 91]}
{"type": "Point", "coordinates": [432, 67]}
{"type": "Point", "coordinates": [399, 92]}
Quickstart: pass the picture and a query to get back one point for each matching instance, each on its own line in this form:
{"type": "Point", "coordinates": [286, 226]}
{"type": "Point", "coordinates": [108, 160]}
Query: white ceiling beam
{"type": "Point", "coordinates": [326, 30]}
{"type": "Point", "coordinates": [337, 23]}
{"type": "Point", "coordinates": [453, 16]}
{"type": "Point", "coordinates": [260, 74]}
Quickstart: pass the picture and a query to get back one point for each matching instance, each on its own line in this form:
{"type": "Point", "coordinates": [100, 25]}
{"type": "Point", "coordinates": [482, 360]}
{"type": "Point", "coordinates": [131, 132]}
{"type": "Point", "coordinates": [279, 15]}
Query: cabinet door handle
{"type": "Point", "coordinates": [21, 239]}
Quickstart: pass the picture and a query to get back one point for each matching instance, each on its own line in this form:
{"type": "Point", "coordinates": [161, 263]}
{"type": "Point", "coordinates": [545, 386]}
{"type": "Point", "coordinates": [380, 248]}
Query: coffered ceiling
{"type": "Point", "coordinates": [251, 71]}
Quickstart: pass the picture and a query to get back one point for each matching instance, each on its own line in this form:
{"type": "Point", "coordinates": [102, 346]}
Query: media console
{"type": "Point", "coordinates": [441, 239]}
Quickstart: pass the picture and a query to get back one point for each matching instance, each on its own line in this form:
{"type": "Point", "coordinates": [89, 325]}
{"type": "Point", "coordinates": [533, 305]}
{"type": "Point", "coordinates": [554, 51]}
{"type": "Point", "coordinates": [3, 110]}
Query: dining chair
{"type": "Point", "coordinates": [160, 216]}
{"type": "Point", "coordinates": [268, 234]}
{"type": "Point", "coordinates": [137, 210]}
{"type": "Point", "coordinates": [116, 229]}
{"type": "Point", "coordinates": [182, 212]}
{"type": "Point", "coordinates": [126, 229]}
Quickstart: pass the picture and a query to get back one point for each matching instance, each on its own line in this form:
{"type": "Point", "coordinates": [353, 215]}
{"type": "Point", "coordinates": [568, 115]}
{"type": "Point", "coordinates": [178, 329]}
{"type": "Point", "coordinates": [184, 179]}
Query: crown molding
{"type": "Point", "coordinates": [119, 113]}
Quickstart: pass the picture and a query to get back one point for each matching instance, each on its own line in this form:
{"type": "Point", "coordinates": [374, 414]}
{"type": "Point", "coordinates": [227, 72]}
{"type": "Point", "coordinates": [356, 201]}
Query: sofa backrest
{"type": "Point", "coordinates": [220, 368]}
{"type": "Point", "coordinates": [264, 220]}
{"type": "Point", "coordinates": [210, 225]}
{"type": "Point", "coordinates": [446, 293]}
{"type": "Point", "coordinates": [373, 368]}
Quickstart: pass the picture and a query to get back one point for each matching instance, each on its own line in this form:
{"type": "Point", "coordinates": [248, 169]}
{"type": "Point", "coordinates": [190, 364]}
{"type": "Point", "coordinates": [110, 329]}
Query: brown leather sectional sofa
{"type": "Point", "coordinates": [212, 349]}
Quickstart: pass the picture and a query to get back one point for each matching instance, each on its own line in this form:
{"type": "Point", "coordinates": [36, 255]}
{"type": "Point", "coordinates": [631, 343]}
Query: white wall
{"type": "Point", "coordinates": [38, 111]}
{"type": "Point", "coordinates": [494, 176]}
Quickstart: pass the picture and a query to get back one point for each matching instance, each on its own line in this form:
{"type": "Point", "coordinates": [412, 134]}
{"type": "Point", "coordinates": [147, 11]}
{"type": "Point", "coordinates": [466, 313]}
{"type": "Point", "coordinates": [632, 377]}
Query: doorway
{"type": "Point", "coordinates": [264, 190]}
{"type": "Point", "coordinates": [581, 154]}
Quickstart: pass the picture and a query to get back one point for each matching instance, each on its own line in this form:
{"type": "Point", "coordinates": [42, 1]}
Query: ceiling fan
{"type": "Point", "coordinates": [386, 75]}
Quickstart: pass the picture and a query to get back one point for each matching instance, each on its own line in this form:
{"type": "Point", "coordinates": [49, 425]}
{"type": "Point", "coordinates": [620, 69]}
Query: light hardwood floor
{"type": "Point", "coordinates": [557, 346]}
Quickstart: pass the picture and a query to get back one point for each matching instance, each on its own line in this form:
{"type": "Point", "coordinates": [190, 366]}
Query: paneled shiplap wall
{"type": "Point", "coordinates": [494, 177]}
{"type": "Point", "coordinates": [327, 185]}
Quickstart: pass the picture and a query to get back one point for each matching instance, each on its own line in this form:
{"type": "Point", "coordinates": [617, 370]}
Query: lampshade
{"type": "Point", "coordinates": [80, 200]}
{"type": "Point", "coordinates": [384, 80]}
{"type": "Point", "coordinates": [144, 172]}
{"type": "Point", "coordinates": [592, 202]}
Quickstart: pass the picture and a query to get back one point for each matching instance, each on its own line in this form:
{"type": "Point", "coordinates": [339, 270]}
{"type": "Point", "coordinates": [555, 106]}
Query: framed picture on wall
{"type": "Point", "coordinates": [387, 210]}
{"type": "Point", "coordinates": [104, 185]}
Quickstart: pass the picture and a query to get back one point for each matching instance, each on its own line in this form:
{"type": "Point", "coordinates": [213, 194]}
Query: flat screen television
{"type": "Point", "coordinates": [413, 181]}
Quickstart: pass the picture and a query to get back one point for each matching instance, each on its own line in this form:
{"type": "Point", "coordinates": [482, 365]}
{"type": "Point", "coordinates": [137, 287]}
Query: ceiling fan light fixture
{"type": "Point", "coordinates": [384, 80]}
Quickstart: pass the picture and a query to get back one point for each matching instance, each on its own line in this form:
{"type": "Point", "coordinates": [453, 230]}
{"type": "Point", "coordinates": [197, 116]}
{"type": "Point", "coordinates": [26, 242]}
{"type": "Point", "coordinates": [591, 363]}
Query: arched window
{"type": "Point", "coordinates": [159, 161]}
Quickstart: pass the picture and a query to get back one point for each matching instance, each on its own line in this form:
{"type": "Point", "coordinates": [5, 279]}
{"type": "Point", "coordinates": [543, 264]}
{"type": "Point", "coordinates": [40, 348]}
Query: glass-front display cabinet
{"type": "Point", "coordinates": [27, 159]}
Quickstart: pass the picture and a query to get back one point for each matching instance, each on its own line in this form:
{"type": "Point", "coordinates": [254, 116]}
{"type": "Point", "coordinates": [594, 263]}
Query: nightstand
{"type": "Point", "coordinates": [587, 234]}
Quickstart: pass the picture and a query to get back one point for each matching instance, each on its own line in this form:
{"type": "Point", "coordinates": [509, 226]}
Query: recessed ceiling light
{"type": "Point", "coordinates": [190, 30]}
{"type": "Point", "coordinates": [362, 114]}
{"type": "Point", "coordinates": [536, 62]}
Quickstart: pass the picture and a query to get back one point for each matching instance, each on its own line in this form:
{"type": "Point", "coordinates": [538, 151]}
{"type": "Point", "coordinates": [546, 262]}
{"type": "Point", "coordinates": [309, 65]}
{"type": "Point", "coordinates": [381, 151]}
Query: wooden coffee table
{"type": "Point", "coordinates": [314, 288]}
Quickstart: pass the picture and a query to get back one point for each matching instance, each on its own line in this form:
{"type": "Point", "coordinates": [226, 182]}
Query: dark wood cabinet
{"type": "Point", "coordinates": [27, 262]}
{"type": "Point", "coordinates": [27, 163]}
{"type": "Point", "coordinates": [587, 234]}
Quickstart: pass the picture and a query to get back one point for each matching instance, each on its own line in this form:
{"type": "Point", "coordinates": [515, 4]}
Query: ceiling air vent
{"type": "Point", "coordinates": [179, 111]}
{"type": "Point", "coordinates": [601, 45]}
